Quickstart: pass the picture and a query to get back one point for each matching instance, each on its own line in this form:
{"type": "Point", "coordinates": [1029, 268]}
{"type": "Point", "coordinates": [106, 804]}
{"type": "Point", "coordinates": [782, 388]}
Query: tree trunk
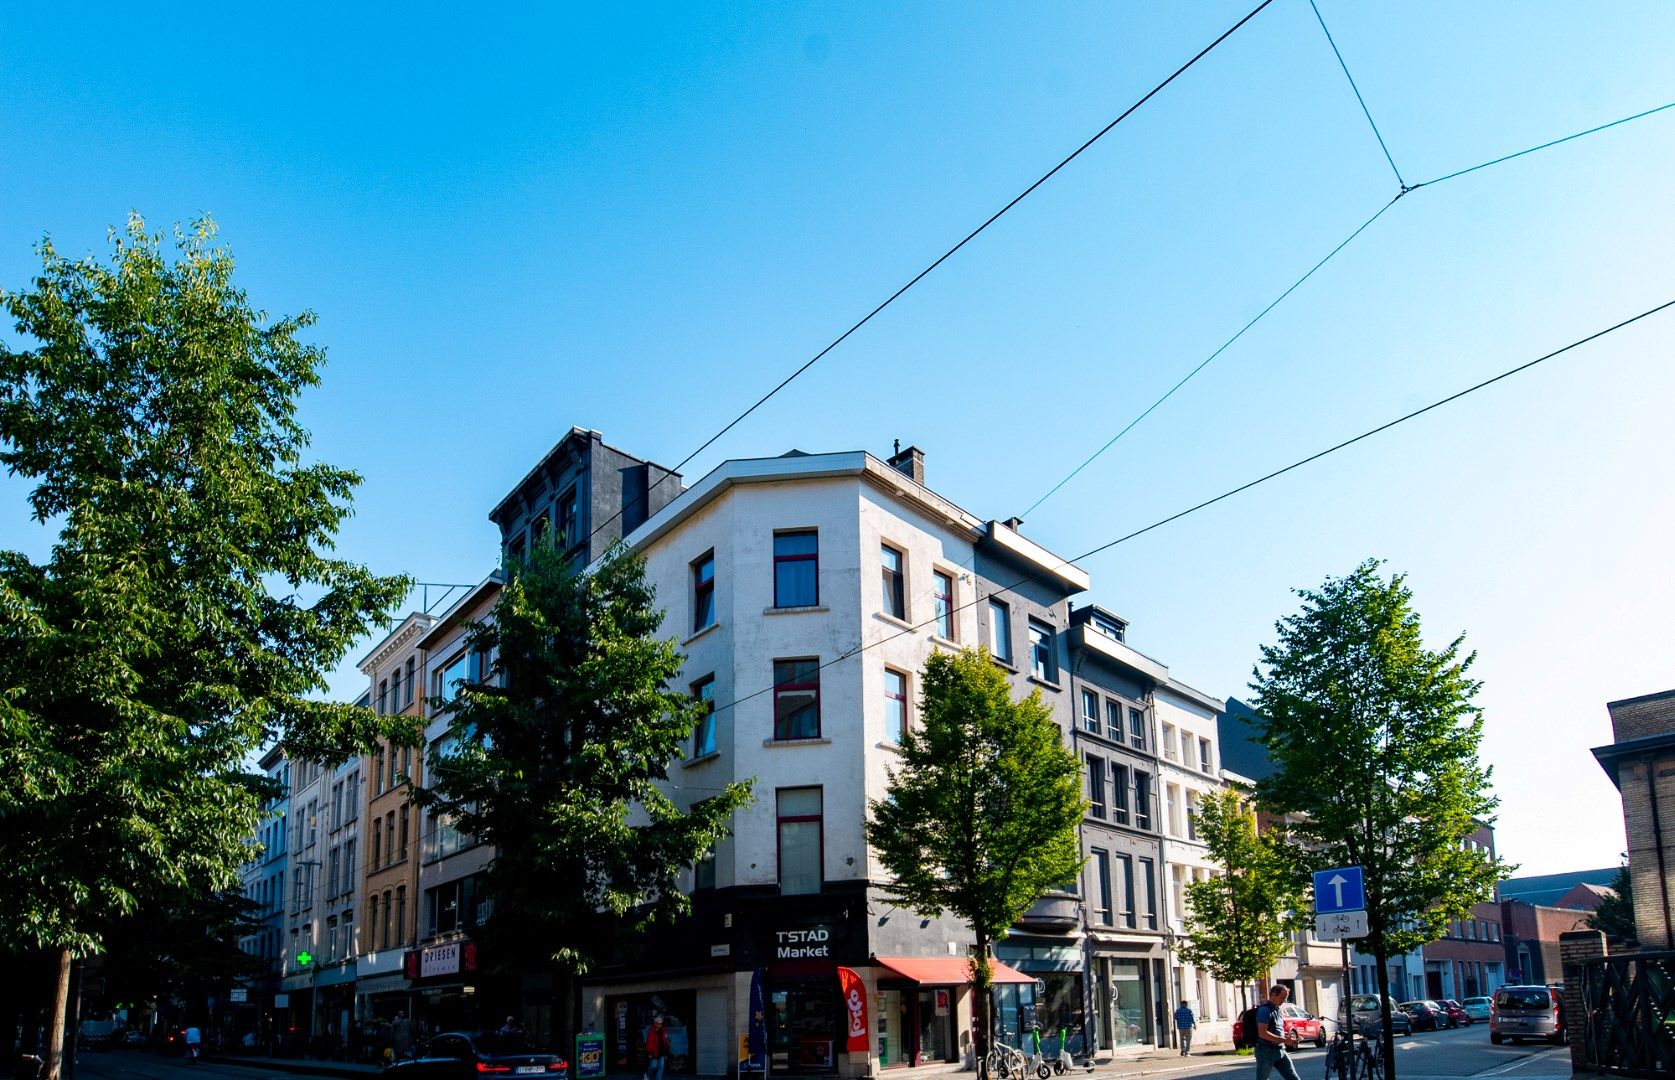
{"type": "Point", "coordinates": [569, 1017]}
{"type": "Point", "coordinates": [982, 979]}
{"type": "Point", "coordinates": [1387, 1038]}
{"type": "Point", "coordinates": [56, 1014]}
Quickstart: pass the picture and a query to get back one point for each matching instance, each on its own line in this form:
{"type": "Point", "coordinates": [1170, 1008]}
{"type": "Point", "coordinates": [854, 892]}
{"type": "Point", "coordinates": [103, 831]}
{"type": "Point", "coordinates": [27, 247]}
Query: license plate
{"type": "Point", "coordinates": [524, 1070]}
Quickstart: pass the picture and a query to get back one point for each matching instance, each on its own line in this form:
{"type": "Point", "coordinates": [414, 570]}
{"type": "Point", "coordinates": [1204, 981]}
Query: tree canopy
{"type": "Point", "coordinates": [1374, 741]}
{"type": "Point", "coordinates": [1614, 916]}
{"type": "Point", "coordinates": [1241, 921]}
{"type": "Point", "coordinates": [189, 608]}
{"type": "Point", "coordinates": [980, 817]}
{"type": "Point", "coordinates": [555, 758]}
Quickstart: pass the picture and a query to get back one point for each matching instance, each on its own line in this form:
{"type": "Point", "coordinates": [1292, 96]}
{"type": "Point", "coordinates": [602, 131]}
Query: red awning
{"type": "Point", "coordinates": [945, 970]}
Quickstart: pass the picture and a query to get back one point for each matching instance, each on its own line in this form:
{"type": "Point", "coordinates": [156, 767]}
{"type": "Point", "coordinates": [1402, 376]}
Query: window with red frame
{"type": "Point", "coordinates": [796, 569]}
{"type": "Point", "coordinates": [796, 699]}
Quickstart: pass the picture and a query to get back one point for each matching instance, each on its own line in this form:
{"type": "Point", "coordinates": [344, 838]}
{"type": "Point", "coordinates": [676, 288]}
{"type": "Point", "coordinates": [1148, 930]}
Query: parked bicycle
{"type": "Point", "coordinates": [1353, 1060]}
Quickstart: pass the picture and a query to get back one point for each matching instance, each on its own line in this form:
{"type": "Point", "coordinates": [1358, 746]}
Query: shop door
{"type": "Point", "coordinates": [936, 1032]}
{"type": "Point", "coordinates": [804, 1028]}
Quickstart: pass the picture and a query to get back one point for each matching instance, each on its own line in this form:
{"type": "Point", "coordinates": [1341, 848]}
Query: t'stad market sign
{"type": "Point", "coordinates": [810, 944]}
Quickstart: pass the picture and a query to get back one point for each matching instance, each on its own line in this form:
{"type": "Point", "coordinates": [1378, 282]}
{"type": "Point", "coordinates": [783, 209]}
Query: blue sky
{"type": "Point", "coordinates": [638, 220]}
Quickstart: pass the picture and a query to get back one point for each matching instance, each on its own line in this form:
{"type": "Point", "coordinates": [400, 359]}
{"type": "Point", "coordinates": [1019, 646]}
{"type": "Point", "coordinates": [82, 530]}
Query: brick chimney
{"type": "Point", "coordinates": [910, 462]}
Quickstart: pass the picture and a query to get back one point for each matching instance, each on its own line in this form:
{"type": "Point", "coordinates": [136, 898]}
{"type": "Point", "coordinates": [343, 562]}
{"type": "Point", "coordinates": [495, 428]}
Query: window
{"type": "Point", "coordinates": [1096, 786]}
{"type": "Point", "coordinates": [796, 569]}
{"type": "Point", "coordinates": [1142, 799]}
{"type": "Point", "coordinates": [1102, 885]}
{"type": "Point", "coordinates": [944, 586]}
{"type": "Point", "coordinates": [1125, 869]}
{"type": "Point", "coordinates": [371, 943]}
{"type": "Point", "coordinates": [1113, 721]}
{"type": "Point", "coordinates": [350, 869]}
{"type": "Point", "coordinates": [401, 852]}
{"type": "Point", "coordinates": [1148, 874]}
{"type": "Point", "coordinates": [1494, 931]}
{"type": "Point", "coordinates": [389, 838]}
{"type": "Point", "coordinates": [1191, 814]}
{"type": "Point", "coordinates": [400, 915]}
{"type": "Point", "coordinates": [1203, 755]}
{"type": "Point", "coordinates": [568, 533]}
{"type": "Point", "coordinates": [1136, 729]}
{"type": "Point", "coordinates": [1090, 711]}
{"type": "Point", "coordinates": [383, 696]}
{"type": "Point", "coordinates": [703, 592]}
{"type": "Point", "coordinates": [1119, 793]}
{"type": "Point", "coordinates": [703, 733]}
{"type": "Point", "coordinates": [377, 848]}
{"type": "Point", "coordinates": [331, 938]}
{"type": "Point", "coordinates": [352, 796]}
{"type": "Point", "coordinates": [796, 699]}
{"type": "Point", "coordinates": [895, 582]}
{"type": "Point", "coordinates": [1041, 663]}
{"type": "Point", "coordinates": [452, 677]}
{"type": "Point", "coordinates": [333, 867]}
{"type": "Point", "coordinates": [703, 872]}
{"type": "Point", "coordinates": [1171, 810]}
{"type": "Point", "coordinates": [800, 857]}
{"type": "Point", "coordinates": [1000, 631]}
{"type": "Point", "coordinates": [895, 706]}
{"type": "Point", "coordinates": [389, 917]}
{"type": "Point", "coordinates": [1115, 629]}
{"type": "Point", "coordinates": [1169, 741]}
{"type": "Point", "coordinates": [407, 695]}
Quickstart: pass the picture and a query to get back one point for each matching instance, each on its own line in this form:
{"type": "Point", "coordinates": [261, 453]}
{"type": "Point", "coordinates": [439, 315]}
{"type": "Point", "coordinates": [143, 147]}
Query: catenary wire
{"type": "Point", "coordinates": [1230, 492]}
{"type": "Point", "coordinates": [946, 255]}
{"type": "Point", "coordinates": [1364, 110]}
{"type": "Point", "coordinates": [1352, 236]}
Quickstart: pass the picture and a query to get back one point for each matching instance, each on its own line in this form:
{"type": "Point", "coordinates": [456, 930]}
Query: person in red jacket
{"type": "Point", "coordinates": [657, 1049]}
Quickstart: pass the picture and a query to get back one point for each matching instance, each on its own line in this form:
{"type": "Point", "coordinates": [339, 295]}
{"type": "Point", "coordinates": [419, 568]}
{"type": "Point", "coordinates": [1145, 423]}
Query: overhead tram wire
{"type": "Point", "coordinates": [1364, 110]}
{"type": "Point", "coordinates": [1231, 492]}
{"type": "Point", "coordinates": [946, 255]}
{"type": "Point", "coordinates": [1409, 189]}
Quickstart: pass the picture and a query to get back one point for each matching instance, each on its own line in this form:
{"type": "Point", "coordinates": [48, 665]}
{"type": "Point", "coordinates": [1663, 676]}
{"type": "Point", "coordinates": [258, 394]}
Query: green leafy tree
{"type": "Point", "coordinates": [186, 949]}
{"type": "Point", "coordinates": [556, 757]}
{"type": "Point", "coordinates": [188, 610]}
{"type": "Point", "coordinates": [1240, 922]}
{"type": "Point", "coordinates": [1615, 915]}
{"type": "Point", "coordinates": [980, 818]}
{"type": "Point", "coordinates": [1374, 741]}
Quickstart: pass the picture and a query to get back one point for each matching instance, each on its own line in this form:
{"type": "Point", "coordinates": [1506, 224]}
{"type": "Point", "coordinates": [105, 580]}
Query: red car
{"type": "Point", "coordinates": [1457, 1014]}
{"type": "Point", "coordinates": [1296, 1021]}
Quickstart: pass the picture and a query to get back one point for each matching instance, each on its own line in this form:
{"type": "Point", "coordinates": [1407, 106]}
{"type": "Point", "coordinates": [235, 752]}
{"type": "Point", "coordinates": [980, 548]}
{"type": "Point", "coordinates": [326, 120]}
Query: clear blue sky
{"type": "Point", "coordinates": [638, 220]}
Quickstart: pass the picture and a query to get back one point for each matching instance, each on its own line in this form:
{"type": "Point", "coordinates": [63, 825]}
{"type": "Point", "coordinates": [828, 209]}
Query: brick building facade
{"type": "Point", "coordinates": [1641, 762]}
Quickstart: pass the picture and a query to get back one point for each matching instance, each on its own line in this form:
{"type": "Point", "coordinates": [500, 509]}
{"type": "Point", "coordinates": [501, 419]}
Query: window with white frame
{"type": "Point", "coordinates": [1000, 631]}
{"type": "Point", "coordinates": [1041, 662]}
{"type": "Point", "coordinates": [1090, 711]}
{"type": "Point", "coordinates": [1096, 786]}
{"type": "Point", "coordinates": [1169, 741]}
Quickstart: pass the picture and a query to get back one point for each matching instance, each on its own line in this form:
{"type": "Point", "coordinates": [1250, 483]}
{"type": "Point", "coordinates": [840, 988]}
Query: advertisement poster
{"type": "Point", "coordinates": [590, 1055]}
{"type": "Point", "coordinates": [855, 1009]}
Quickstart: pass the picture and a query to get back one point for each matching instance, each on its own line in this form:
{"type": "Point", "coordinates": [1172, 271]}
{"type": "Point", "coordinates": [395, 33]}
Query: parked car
{"type": "Point", "coordinates": [460, 1055]}
{"type": "Point", "coordinates": [1476, 1007]}
{"type": "Point", "coordinates": [1526, 1012]}
{"type": "Point", "coordinates": [1368, 1020]}
{"type": "Point", "coordinates": [1456, 1012]}
{"type": "Point", "coordinates": [1427, 1015]}
{"type": "Point", "coordinates": [1294, 1018]}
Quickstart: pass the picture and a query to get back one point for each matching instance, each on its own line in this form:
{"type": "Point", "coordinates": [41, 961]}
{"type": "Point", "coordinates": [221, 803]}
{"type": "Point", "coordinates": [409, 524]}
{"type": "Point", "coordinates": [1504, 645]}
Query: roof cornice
{"type": "Point", "coordinates": [410, 630]}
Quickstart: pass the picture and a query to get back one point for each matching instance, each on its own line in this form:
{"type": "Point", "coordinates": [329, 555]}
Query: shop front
{"type": "Point", "coordinates": [919, 1002]}
{"type": "Point", "coordinates": [628, 1022]}
{"type": "Point", "coordinates": [1127, 1000]}
{"type": "Point", "coordinates": [1053, 1005]}
{"type": "Point", "coordinates": [444, 993]}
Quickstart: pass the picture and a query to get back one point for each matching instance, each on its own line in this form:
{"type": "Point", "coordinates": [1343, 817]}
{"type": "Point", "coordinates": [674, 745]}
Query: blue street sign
{"type": "Point", "coordinates": [1339, 890]}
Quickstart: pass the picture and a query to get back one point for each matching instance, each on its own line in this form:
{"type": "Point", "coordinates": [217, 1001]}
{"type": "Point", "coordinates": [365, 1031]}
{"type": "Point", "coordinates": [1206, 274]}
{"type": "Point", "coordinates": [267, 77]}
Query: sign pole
{"type": "Point", "coordinates": [1348, 1003]}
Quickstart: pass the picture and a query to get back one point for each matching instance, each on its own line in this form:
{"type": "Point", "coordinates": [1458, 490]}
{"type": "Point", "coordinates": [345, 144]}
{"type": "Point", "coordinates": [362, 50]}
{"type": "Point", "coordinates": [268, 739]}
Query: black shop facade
{"type": "Point", "coordinates": [833, 1001]}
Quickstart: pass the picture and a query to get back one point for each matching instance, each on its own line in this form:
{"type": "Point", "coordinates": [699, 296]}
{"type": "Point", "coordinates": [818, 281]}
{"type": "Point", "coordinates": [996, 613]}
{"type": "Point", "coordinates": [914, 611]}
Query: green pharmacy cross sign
{"type": "Point", "coordinates": [305, 958]}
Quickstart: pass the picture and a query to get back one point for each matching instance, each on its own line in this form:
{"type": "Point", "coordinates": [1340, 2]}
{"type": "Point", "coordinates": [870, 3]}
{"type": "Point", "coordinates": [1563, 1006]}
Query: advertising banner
{"type": "Point", "coordinates": [855, 1008]}
{"type": "Point", "coordinates": [590, 1055]}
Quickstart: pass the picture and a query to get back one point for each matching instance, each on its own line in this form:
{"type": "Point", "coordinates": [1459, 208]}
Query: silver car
{"type": "Point", "coordinates": [1526, 1012]}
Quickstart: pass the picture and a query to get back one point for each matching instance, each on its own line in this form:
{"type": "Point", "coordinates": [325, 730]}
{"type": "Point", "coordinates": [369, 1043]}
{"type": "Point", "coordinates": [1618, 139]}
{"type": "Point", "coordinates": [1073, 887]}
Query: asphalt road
{"type": "Point", "coordinates": [145, 1065]}
{"type": "Point", "coordinates": [1438, 1055]}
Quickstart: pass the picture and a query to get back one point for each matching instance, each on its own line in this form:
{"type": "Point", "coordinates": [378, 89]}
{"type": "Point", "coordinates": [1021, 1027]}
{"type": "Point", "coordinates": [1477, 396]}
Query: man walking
{"type": "Point", "coordinates": [1273, 1041]}
{"type": "Point", "coordinates": [1184, 1023]}
{"type": "Point", "coordinates": [657, 1050]}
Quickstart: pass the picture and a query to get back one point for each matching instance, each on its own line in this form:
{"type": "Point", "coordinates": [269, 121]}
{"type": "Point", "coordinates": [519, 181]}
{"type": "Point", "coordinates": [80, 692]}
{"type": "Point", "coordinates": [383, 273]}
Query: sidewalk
{"type": "Point", "coordinates": [1150, 1063]}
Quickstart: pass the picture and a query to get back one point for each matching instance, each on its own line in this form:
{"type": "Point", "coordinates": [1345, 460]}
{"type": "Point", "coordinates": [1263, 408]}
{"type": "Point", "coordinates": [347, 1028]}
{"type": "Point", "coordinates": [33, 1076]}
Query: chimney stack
{"type": "Point", "coordinates": [910, 462]}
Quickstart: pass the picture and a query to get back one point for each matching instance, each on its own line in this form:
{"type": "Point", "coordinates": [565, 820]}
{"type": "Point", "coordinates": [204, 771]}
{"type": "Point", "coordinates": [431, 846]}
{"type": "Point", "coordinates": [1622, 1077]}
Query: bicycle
{"type": "Point", "coordinates": [1357, 1060]}
{"type": "Point", "coordinates": [1005, 1061]}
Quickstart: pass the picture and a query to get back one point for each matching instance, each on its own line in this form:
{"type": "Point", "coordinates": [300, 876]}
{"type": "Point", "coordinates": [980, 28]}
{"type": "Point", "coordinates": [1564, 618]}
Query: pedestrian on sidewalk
{"type": "Point", "coordinates": [1184, 1023]}
{"type": "Point", "coordinates": [401, 1037]}
{"type": "Point", "coordinates": [657, 1050]}
{"type": "Point", "coordinates": [1273, 1041]}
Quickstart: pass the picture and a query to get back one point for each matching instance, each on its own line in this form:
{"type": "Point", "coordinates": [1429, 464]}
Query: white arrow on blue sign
{"type": "Point", "coordinates": [1339, 890]}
